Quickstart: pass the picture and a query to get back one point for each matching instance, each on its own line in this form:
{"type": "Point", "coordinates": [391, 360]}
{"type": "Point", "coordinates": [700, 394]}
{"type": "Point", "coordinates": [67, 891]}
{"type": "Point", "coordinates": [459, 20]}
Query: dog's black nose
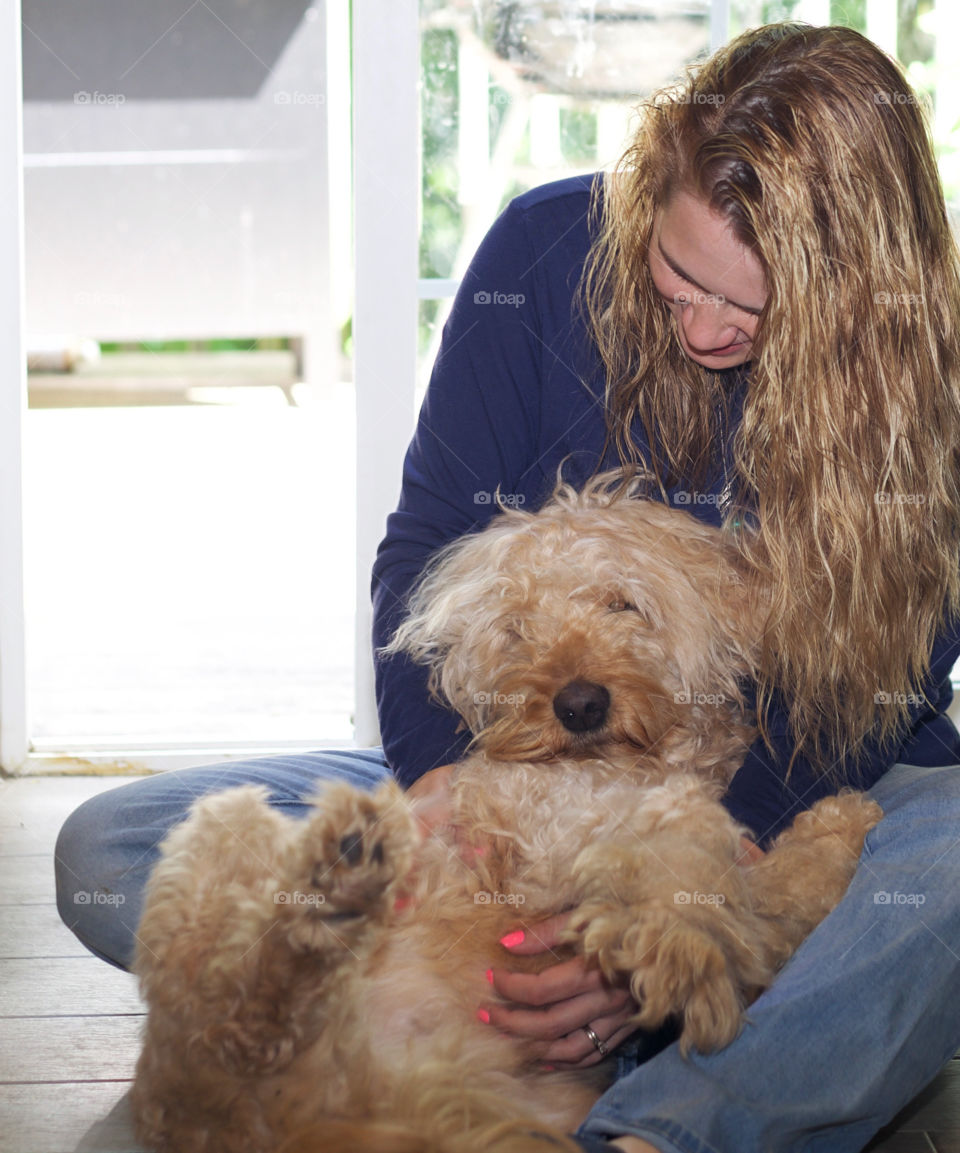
{"type": "Point", "coordinates": [581, 706]}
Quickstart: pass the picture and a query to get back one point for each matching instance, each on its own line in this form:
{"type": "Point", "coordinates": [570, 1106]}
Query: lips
{"type": "Point", "coordinates": [724, 351]}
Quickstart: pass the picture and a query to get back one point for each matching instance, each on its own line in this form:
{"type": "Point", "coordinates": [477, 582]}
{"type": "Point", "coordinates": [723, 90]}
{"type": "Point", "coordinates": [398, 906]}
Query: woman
{"type": "Point", "coordinates": [763, 305]}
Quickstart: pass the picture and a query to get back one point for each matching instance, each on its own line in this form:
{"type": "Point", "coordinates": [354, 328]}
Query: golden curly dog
{"type": "Point", "coordinates": [313, 984]}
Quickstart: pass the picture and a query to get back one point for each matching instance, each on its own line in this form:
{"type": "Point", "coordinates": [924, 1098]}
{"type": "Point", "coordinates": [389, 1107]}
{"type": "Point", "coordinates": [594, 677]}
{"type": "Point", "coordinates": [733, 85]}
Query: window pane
{"type": "Point", "coordinates": [516, 95]}
{"type": "Point", "coordinates": [189, 509]}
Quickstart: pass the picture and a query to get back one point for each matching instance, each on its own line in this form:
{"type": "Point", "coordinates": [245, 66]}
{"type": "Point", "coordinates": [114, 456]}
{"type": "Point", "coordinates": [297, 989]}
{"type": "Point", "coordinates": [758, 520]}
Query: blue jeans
{"type": "Point", "coordinates": [862, 1017]}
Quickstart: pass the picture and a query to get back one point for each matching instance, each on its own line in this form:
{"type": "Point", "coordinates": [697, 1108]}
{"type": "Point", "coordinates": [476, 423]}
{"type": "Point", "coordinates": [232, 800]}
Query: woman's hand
{"type": "Point", "coordinates": [556, 1006]}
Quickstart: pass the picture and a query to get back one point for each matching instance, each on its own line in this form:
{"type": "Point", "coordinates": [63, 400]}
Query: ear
{"type": "Point", "coordinates": [735, 602]}
{"type": "Point", "coordinates": [464, 589]}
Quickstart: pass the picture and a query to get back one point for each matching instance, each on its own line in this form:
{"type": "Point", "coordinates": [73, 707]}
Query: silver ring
{"type": "Point", "coordinates": [597, 1043]}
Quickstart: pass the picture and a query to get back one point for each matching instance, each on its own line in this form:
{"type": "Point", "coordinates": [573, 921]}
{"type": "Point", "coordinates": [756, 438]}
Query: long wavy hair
{"type": "Point", "coordinates": [813, 147]}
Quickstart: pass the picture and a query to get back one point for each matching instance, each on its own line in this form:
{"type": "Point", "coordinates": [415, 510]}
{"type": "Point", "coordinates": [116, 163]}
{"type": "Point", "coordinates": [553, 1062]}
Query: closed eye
{"type": "Point", "coordinates": [619, 605]}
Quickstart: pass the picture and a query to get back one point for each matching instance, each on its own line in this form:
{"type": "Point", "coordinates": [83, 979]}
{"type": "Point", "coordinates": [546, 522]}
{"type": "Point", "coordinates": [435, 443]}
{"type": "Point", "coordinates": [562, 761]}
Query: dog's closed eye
{"type": "Point", "coordinates": [619, 605]}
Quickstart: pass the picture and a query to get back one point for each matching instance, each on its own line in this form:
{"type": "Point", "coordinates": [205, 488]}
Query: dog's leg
{"type": "Point", "coordinates": [809, 867]}
{"type": "Point", "coordinates": [338, 880]}
{"type": "Point", "coordinates": [345, 870]}
{"type": "Point", "coordinates": [249, 922]}
{"type": "Point", "coordinates": [677, 966]}
{"type": "Point", "coordinates": [668, 913]}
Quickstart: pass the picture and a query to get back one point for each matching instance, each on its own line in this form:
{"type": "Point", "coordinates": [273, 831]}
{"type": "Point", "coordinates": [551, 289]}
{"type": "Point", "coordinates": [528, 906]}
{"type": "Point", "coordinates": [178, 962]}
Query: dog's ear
{"type": "Point", "coordinates": [463, 605]}
{"type": "Point", "coordinates": [689, 579]}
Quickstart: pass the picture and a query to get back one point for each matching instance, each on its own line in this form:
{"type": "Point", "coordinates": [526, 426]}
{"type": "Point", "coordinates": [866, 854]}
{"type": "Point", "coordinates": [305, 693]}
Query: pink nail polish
{"type": "Point", "coordinates": [484, 1016]}
{"type": "Point", "coordinates": [489, 976]}
{"type": "Point", "coordinates": [511, 939]}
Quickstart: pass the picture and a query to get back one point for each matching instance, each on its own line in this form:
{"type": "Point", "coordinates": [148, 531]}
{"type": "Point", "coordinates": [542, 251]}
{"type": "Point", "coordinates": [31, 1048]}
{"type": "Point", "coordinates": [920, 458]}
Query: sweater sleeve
{"type": "Point", "coordinates": [765, 798]}
{"type": "Point", "coordinates": [476, 433]}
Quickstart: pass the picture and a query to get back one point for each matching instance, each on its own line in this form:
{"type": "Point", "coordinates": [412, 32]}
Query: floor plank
{"type": "Point", "coordinates": [70, 1048]}
{"type": "Point", "coordinates": [36, 931]}
{"type": "Point", "coordinates": [50, 1118]}
{"type": "Point", "coordinates": [937, 1108]}
{"type": "Point", "coordinates": [65, 986]}
{"type": "Point", "coordinates": [901, 1142]}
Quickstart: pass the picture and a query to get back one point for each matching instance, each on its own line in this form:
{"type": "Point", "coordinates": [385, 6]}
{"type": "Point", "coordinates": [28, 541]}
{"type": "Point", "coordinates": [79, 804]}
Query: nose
{"type": "Point", "coordinates": [581, 706]}
{"type": "Point", "coordinates": [705, 325]}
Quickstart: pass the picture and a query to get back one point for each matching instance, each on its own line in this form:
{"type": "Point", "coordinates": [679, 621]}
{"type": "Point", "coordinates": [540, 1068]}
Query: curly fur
{"type": "Point", "coordinates": [312, 985]}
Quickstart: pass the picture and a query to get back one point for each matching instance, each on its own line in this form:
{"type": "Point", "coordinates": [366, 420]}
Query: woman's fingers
{"type": "Point", "coordinates": [558, 983]}
{"type": "Point", "coordinates": [578, 1051]}
{"type": "Point", "coordinates": [557, 1020]}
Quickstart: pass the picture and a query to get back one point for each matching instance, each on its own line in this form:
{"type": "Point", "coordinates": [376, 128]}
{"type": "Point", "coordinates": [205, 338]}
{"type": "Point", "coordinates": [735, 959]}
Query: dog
{"type": "Point", "coordinates": [313, 984]}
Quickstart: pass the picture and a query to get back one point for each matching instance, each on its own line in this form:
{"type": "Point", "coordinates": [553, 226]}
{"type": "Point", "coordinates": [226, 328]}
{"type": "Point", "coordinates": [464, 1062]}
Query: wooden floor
{"type": "Point", "coordinates": [69, 1023]}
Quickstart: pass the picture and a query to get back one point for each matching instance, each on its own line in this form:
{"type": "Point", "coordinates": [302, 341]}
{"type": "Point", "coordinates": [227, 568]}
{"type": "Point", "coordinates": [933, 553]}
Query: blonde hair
{"type": "Point", "coordinates": [811, 145]}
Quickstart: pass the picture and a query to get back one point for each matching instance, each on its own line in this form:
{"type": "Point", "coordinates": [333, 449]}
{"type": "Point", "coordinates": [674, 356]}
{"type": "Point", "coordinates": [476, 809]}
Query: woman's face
{"type": "Point", "coordinates": [713, 285]}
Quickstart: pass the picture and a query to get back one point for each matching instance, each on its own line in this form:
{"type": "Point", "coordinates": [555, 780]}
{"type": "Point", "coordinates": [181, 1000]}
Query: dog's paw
{"type": "Point", "coordinates": [844, 820]}
{"type": "Point", "coordinates": [676, 970]}
{"type": "Point", "coordinates": [347, 866]}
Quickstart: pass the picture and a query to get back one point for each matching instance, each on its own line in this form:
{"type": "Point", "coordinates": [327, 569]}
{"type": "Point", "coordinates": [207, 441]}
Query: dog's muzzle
{"type": "Point", "coordinates": [582, 706]}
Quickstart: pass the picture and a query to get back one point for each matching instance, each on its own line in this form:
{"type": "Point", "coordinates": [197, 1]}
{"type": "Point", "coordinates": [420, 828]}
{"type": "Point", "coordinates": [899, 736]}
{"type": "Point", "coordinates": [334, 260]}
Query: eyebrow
{"type": "Point", "coordinates": [689, 279]}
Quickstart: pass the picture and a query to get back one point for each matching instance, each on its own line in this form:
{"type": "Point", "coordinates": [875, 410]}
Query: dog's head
{"type": "Point", "coordinates": [601, 620]}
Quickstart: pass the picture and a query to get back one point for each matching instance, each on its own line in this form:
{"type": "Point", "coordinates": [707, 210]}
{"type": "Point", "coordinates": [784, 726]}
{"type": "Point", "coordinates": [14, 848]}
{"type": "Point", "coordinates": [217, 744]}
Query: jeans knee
{"type": "Point", "coordinates": [92, 898]}
{"type": "Point", "coordinates": [71, 858]}
{"type": "Point", "coordinates": [921, 813]}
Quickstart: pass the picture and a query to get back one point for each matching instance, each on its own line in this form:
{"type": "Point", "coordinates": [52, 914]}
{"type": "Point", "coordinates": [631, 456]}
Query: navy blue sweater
{"type": "Point", "coordinates": [515, 391]}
